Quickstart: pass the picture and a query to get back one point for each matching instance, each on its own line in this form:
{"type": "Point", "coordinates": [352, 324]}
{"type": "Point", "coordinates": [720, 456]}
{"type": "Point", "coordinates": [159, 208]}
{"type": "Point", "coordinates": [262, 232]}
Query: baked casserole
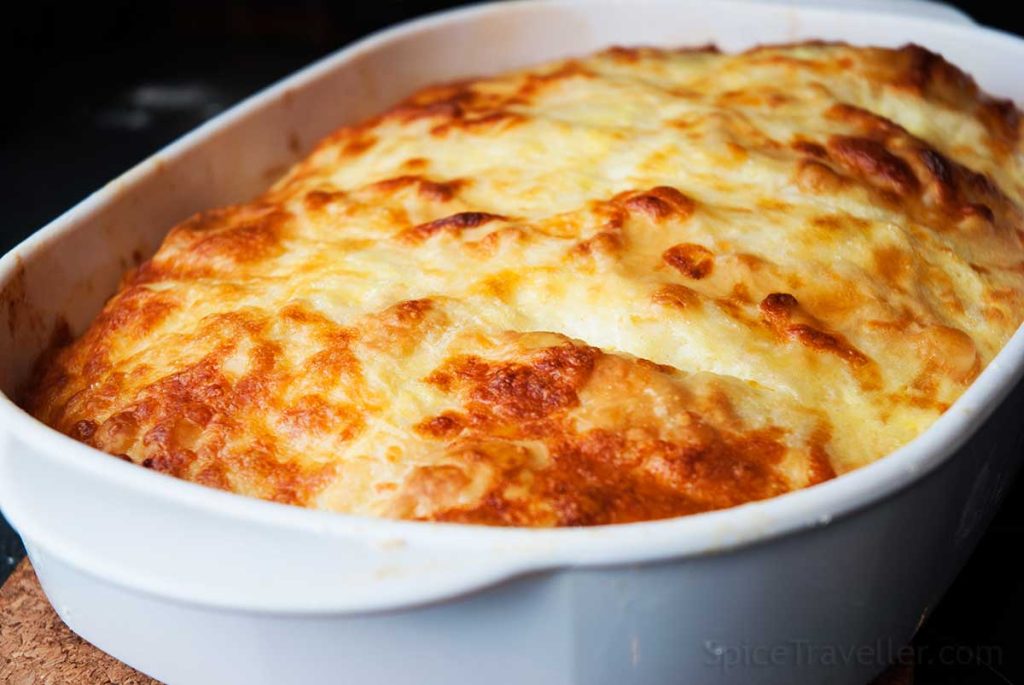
{"type": "Point", "coordinates": [638, 285]}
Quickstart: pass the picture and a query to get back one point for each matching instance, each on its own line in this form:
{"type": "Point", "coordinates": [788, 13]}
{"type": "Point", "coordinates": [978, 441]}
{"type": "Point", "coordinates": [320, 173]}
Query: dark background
{"type": "Point", "coordinates": [93, 88]}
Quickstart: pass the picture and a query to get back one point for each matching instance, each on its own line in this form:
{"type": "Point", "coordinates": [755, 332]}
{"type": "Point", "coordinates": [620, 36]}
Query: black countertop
{"type": "Point", "coordinates": [97, 87]}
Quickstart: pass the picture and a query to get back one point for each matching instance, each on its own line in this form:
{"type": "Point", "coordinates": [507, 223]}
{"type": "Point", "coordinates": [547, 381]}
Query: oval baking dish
{"type": "Point", "coordinates": [193, 585]}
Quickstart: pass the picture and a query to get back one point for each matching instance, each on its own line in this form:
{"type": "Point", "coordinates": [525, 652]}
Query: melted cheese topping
{"type": "Point", "coordinates": [637, 285]}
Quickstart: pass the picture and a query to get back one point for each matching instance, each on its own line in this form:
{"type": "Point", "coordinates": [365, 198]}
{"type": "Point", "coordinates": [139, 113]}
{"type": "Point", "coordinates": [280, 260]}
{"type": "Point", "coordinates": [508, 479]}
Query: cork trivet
{"type": "Point", "coordinates": [36, 648]}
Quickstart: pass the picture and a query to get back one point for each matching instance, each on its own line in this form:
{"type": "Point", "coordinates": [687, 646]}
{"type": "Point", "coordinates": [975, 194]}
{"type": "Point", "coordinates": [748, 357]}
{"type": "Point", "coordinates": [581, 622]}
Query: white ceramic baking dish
{"type": "Point", "coordinates": [192, 585]}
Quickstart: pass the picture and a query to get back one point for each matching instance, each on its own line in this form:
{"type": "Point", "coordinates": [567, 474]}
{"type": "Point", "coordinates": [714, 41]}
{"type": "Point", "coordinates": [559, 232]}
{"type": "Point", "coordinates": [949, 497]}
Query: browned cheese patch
{"type": "Point", "coordinates": [627, 465]}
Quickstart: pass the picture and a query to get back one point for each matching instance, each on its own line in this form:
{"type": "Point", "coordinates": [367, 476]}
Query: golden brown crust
{"type": "Point", "coordinates": [638, 285]}
{"type": "Point", "coordinates": [603, 462]}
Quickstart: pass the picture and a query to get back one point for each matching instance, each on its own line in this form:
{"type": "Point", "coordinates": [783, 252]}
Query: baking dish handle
{"type": "Point", "coordinates": [233, 556]}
